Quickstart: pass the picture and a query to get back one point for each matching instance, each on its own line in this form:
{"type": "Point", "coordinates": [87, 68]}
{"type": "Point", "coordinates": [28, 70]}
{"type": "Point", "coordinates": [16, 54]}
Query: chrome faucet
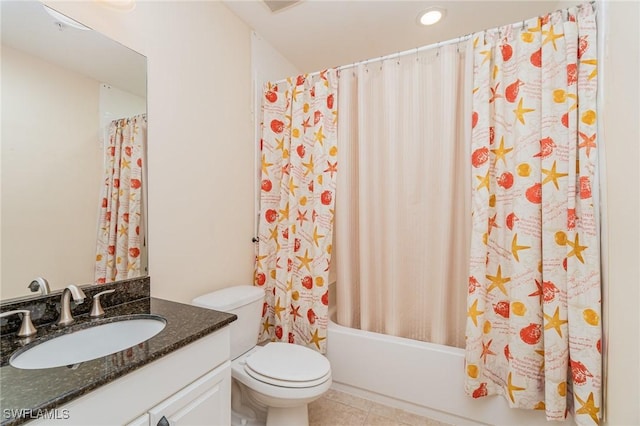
{"type": "Point", "coordinates": [65, 305]}
{"type": "Point", "coordinates": [41, 284]}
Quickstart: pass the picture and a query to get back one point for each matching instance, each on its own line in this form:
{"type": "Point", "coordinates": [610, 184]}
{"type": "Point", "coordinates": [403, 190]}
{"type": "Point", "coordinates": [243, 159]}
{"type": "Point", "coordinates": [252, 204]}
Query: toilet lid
{"type": "Point", "coordinates": [284, 364]}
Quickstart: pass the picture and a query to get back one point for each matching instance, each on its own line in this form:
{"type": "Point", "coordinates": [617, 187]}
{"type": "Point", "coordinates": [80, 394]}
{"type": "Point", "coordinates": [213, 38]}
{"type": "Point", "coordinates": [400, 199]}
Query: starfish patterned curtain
{"type": "Point", "coordinates": [119, 242]}
{"type": "Point", "coordinates": [533, 321]}
{"type": "Point", "coordinates": [299, 166]}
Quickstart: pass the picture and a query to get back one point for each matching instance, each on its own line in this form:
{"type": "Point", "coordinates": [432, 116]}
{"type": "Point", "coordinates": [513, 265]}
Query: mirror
{"type": "Point", "coordinates": [62, 86]}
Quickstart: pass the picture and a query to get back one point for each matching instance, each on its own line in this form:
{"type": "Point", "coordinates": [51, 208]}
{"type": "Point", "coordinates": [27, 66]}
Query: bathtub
{"type": "Point", "coordinates": [419, 377]}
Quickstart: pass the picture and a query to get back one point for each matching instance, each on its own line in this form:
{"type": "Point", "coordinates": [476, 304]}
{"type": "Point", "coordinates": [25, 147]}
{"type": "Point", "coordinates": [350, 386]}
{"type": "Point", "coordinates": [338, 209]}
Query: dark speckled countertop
{"type": "Point", "coordinates": [46, 389]}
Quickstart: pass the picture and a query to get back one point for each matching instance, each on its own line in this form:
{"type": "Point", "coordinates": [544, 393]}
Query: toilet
{"type": "Point", "coordinates": [274, 383]}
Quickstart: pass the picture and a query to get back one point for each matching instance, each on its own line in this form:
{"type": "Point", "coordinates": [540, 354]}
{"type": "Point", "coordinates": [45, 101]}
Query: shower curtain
{"type": "Point", "coordinates": [297, 196]}
{"type": "Point", "coordinates": [119, 242]}
{"type": "Point", "coordinates": [533, 321]}
{"type": "Point", "coordinates": [402, 209]}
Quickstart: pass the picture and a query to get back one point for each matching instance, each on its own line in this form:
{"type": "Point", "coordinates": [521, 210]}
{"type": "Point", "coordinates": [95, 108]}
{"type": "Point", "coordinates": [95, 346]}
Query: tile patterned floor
{"type": "Point", "coordinates": [342, 409]}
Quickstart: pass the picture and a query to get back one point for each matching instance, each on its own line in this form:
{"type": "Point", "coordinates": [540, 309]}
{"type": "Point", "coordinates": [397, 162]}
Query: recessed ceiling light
{"type": "Point", "coordinates": [431, 16]}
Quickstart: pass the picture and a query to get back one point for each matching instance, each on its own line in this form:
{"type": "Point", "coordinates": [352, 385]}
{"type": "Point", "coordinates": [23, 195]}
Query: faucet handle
{"type": "Point", "coordinates": [26, 328]}
{"type": "Point", "coordinates": [96, 308]}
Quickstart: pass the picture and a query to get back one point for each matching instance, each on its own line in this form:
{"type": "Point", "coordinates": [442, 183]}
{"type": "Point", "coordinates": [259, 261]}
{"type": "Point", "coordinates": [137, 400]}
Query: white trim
{"type": "Point", "coordinates": [600, 197]}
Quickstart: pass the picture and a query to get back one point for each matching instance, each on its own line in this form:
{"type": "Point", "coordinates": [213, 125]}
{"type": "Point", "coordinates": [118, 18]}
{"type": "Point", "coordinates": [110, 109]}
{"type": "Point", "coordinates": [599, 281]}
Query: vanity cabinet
{"type": "Point", "coordinates": [204, 402]}
{"type": "Point", "coordinates": [189, 386]}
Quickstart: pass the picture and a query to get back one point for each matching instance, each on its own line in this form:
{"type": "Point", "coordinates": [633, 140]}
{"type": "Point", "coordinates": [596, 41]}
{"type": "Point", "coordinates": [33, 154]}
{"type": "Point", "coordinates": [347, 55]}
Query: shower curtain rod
{"type": "Point", "coordinates": [396, 55]}
{"type": "Point", "coordinates": [415, 50]}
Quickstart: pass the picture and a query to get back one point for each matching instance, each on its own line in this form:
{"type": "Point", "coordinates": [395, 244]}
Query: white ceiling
{"type": "Point", "coordinates": [318, 34]}
{"type": "Point", "coordinates": [28, 27]}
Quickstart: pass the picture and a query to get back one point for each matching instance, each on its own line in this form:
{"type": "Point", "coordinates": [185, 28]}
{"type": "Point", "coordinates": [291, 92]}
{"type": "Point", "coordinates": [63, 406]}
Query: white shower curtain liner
{"type": "Point", "coordinates": [402, 200]}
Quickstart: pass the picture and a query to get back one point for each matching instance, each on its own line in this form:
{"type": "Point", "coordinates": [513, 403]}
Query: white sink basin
{"type": "Point", "coordinates": [87, 344]}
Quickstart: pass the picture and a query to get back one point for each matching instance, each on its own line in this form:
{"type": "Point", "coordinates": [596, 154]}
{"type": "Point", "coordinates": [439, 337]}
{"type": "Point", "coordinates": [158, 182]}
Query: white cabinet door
{"type": "Point", "coordinates": [143, 420]}
{"type": "Point", "coordinates": [207, 401]}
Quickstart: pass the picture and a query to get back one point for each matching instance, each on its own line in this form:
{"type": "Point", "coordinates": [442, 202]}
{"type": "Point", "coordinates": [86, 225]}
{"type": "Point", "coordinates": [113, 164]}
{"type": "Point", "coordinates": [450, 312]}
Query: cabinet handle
{"type": "Point", "coordinates": [164, 422]}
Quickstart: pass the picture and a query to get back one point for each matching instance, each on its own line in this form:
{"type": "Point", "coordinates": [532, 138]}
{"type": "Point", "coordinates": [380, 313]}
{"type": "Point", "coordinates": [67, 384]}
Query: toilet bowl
{"type": "Point", "coordinates": [272, 384]}
{"type": "Point", "coordinates": [274, 388]}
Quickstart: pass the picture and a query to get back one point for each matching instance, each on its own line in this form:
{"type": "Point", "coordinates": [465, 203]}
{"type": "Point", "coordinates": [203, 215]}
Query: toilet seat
{"type": "Point", "coordinates": [288, 365]}
{"type": "Point", "coordinates": [284, 383]}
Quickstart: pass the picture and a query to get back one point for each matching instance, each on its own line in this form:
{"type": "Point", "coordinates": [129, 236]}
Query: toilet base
{"type": "Point", "coordinates": [290, 416]}
{"type": "Point", "coordinates": [296, 416]}
{"type": "Point", "coordinates": [247, 410]}
{"type": "Point", "coordinates": [254, 402]}
{"type": "Point", "coordinates": [241, 420]}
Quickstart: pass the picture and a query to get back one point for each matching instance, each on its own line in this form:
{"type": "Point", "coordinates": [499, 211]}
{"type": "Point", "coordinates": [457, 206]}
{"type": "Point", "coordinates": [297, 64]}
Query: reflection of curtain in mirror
{"type": "Point", "coordinates": [120, 221]}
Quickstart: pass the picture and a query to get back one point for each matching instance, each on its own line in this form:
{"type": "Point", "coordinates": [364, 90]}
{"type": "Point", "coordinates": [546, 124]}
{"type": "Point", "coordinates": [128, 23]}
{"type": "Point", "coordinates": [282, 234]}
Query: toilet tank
{"type": "Point", "coordinates": [246, 302]}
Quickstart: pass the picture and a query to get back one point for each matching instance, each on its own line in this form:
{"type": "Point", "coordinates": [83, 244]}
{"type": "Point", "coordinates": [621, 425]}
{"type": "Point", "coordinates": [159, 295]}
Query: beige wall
{"type": "Point", "coordinates": [621, 134]}
{"type": "Point", "coordinates": [200, 139]}
{"type": "Point", "coordinates": [51, 173]}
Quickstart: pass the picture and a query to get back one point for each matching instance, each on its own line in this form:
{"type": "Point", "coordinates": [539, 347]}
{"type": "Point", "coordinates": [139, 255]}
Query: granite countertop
{"type": "Point", "coordinates": [27, 391]}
